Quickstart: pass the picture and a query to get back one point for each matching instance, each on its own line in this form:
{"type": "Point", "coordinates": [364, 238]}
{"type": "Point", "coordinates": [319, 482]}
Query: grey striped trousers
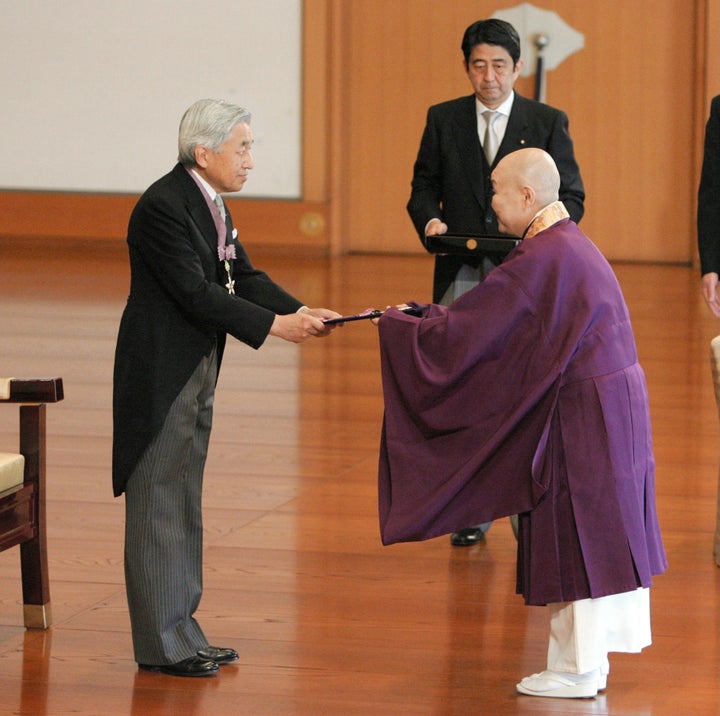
{"type": "Point", "coordinates": [163, 528]}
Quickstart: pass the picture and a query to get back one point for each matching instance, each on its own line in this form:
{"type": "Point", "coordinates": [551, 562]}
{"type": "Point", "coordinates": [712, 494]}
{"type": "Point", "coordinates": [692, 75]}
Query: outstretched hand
{"type": "Point", "coordinates": [306, 323]}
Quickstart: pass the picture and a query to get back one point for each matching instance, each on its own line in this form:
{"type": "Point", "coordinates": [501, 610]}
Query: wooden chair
{"type": "Point", "coordinates": [22, 493]}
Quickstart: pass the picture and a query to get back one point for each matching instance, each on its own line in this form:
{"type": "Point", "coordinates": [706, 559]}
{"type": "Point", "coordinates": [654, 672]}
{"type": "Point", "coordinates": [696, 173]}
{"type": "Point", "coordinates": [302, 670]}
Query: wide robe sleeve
{"type": "Point", "coordinates": [465, 423]}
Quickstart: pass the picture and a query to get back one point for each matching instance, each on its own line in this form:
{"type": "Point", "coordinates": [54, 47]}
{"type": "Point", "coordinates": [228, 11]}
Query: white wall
{"type": "Point", "coordinates": [92, 91]}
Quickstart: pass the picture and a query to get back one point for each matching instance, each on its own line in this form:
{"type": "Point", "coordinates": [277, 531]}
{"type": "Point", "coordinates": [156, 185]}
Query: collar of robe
{"type": "Point", "coordinates": [545, 218]}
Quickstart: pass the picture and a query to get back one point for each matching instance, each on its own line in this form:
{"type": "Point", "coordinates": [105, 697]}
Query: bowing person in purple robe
{"type": "Point", "coordinates": [525, 396]}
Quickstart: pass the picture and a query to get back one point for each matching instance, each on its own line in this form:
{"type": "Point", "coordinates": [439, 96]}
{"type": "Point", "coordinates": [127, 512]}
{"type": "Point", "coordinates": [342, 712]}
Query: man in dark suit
{"type": "Point", "coordinates": [708, 234]}
{"type": "Point", "coordinates": [463, 140]}
{"type": "Point", "coordinates": [191, 284]}
{"type": "Point", "coordinates": [708, 212]}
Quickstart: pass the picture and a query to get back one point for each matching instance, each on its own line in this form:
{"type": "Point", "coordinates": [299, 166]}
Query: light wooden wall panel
{"type": "Point", "coordinates": [632, 118]}
{"type": "Point", "coordinates": [58, 216]}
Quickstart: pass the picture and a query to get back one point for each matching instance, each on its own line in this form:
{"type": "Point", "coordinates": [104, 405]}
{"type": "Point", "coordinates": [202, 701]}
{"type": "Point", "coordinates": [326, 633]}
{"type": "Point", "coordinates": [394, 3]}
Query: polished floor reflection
{"type": "Point", "coordinates": [326, 620]}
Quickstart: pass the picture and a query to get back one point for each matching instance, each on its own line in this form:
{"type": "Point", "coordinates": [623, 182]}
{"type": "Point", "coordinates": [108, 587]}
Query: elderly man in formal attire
{"type": "Point", "coordinates": [192, 284]}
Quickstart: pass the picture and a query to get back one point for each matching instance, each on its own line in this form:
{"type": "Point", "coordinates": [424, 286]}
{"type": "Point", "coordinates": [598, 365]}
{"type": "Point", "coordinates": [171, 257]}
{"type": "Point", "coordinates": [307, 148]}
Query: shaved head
{"type": "Point", "coordinates": [536, 168]}
{"type": "Point", "coordinates": [524, 182]}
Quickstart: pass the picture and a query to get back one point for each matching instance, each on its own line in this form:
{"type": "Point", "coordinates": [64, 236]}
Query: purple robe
{"type": "Point", "coordinates": [525, 396]}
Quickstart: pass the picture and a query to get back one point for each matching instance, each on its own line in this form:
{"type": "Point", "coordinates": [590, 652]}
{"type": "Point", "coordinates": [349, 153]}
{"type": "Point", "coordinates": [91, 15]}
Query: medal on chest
{"type": "Point", "coordinates": [230, 285]}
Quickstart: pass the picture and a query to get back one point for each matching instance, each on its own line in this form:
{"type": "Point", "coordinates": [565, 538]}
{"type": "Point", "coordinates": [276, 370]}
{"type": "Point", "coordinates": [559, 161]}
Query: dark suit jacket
{"type": "Point", "coordinates": [708, 215]}
{"type": "Point", "coordinates": [451, 178]}
{"type": "Point", "coordinates": [178, 308]}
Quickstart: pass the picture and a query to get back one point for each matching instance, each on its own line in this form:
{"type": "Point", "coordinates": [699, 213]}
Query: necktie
{"type": "Point", "coordinates": [490, 142]}
{"type": "Point", "coordinates": [220, 205]}
{"type": "Point", "coordinates": [221, 226]}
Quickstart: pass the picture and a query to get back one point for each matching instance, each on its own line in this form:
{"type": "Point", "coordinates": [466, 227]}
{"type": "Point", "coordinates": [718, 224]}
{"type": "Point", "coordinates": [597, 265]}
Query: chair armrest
{"type": "Point", "coordinates": [34, 390]}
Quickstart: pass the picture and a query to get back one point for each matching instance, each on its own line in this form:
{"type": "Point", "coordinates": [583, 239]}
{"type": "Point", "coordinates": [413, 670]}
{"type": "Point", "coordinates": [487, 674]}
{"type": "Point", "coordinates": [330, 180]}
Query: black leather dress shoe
{"type": "Point", "coordinates": [218, 654]}
{"type": "Point", "coordinates": [467, 537]}
{"type": "Point", "coordinates": [192, 666]}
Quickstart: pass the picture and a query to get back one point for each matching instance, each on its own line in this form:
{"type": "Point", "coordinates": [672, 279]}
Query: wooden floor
{"type": "Point", "coordinates": [326, 620]}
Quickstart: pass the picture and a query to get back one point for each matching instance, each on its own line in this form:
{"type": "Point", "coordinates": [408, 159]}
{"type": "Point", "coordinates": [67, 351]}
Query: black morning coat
{"type": "Point", "coordinates": [178, 308]}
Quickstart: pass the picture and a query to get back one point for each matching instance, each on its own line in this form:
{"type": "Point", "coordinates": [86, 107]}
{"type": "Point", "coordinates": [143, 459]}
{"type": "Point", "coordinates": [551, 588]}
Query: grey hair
{"type": "Point", "coordinates": [208, 122]}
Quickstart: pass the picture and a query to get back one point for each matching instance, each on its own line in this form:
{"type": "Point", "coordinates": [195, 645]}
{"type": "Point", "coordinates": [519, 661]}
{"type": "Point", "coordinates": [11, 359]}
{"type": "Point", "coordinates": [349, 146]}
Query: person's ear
{"type": "Point", "coordinates": [528, 195]}
{"type": "Point", "coordinates": [201, 156]}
